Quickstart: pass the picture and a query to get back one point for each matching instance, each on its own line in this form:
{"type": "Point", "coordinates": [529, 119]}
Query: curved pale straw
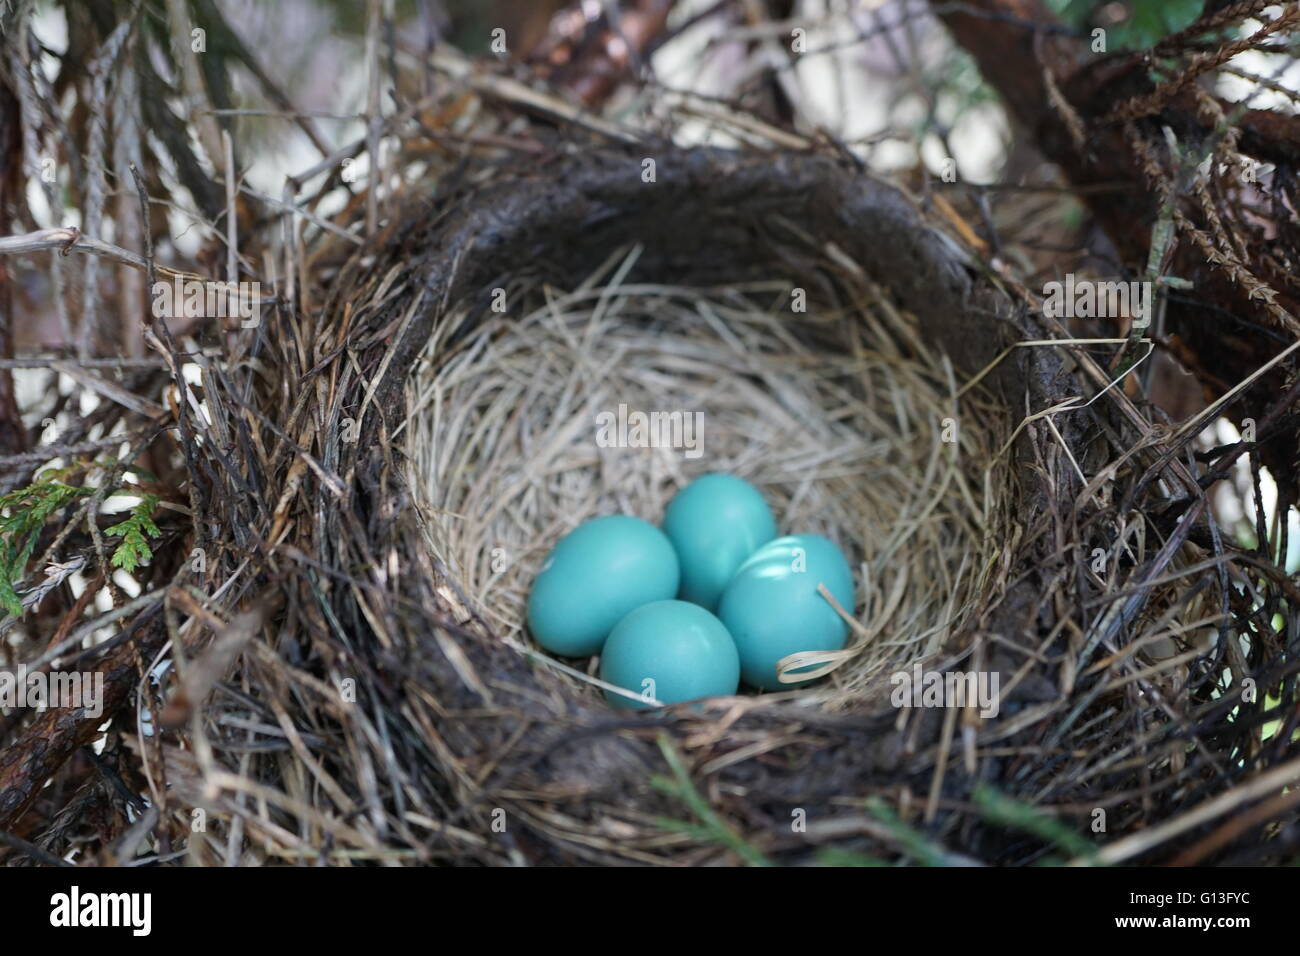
{"type": "Point", "coordinates": [832, 660]}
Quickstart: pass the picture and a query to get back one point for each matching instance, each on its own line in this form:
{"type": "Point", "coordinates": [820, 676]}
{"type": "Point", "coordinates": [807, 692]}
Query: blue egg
{"type": "Point", "coordinates": [772, 609]}
{"type": "Point", "coordinates": [596, 574]}
{"type": "Point", "coordinates": [715, 523]}
{"type": "Point", "coordinates": [669, 651]}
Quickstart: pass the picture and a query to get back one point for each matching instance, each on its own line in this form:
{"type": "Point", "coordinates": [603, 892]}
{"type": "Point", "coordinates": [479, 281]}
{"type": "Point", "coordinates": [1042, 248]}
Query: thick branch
{"type": "Point", "coordinates": [45, 745]}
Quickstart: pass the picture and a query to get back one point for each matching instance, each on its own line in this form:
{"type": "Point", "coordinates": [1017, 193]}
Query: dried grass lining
{"type": "Point", "coordinates": [845, 419]}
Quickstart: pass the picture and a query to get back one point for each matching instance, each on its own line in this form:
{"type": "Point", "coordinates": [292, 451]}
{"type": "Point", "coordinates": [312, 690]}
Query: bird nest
{"type": "Point", "coordinates": [376, 473]}
{"type": "Point", "coordinates": [993, 490]}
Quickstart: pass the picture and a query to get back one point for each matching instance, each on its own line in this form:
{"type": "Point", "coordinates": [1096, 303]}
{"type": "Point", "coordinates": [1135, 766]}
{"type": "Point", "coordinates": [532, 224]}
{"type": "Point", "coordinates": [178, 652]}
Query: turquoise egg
{"type": "Point", "coordinates": [596, 574]}
{"type": "Point", "coordinates": [715, 523]}
{"type": "Point", "coordinates": [669, 651]}
{"type": "Point", "coordinates": [772, 608]}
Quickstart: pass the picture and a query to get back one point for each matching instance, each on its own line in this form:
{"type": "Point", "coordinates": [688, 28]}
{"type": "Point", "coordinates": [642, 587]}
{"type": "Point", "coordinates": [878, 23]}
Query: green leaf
{"type": "Point", "coordinates": [20, 529]}
{"type": "Point", "coordinates": [1009, 812]}
{"type": "Point", "coordinates": [135, 532]}
{"type": "Point", "coordinates": [9, 597]}
{"type": "Point", "coordinates": [1148, 21]}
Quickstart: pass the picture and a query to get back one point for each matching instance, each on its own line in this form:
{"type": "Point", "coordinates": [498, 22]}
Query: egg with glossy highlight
{"type": "Point", "coordinates": [715, 523]}
{"type": "Point", "coordinates": [596, 575]}
{"type": "Point", "coordinates": [772, 608]}
{"type": "Point", "coordinates": [669, 651]}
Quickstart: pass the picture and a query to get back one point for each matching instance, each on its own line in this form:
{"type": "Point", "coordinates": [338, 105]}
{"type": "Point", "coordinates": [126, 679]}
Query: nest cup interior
{"type": "Point", "coordinates": [798, 372]}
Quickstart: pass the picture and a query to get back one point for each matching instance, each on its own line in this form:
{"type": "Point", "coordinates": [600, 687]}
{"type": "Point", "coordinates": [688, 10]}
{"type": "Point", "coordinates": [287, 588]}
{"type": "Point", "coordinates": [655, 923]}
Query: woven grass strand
{"type": "Point", "coordinates": [845, 422]}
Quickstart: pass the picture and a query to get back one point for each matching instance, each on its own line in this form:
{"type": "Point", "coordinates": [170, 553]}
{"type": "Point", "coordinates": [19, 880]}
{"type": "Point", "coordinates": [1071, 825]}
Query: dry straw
{"type": "Point", "coordinates": [847, 421]}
